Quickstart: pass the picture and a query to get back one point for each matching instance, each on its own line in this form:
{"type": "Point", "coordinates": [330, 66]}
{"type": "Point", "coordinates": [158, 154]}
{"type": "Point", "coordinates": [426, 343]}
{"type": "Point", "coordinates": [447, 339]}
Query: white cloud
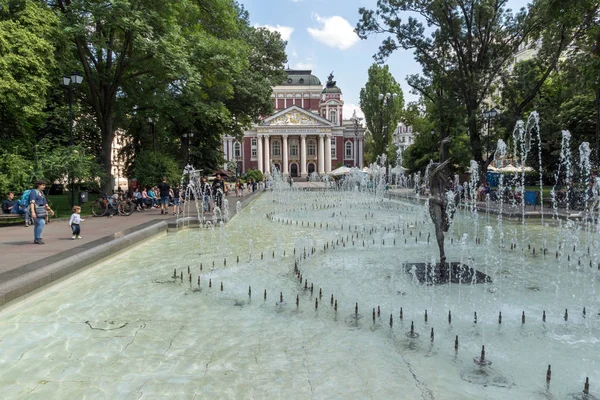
{"type": "Point", "coordinates": [303, 65]}
{"type": "Point", "coordinates": [349, 110]}
{"type": "Point", "coordinates": [335, 32]}
{"type": "Point", "coordinates": [284, 31]}
{"type": "Point", "coordinates": [297, 1]}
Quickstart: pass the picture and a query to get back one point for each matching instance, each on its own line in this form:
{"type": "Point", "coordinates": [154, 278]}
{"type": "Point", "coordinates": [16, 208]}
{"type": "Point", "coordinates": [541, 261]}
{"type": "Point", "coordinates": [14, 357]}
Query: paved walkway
{"type": "Point", "coordinates": [16, 242]}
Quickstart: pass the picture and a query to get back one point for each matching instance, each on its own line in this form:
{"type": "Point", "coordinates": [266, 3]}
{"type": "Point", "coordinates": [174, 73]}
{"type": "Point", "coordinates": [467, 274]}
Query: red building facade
{"type": "Point", "coordinates": [306, 133]}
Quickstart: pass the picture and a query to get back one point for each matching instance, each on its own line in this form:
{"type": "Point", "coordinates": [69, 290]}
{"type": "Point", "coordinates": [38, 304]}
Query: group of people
{"type": "Point", "coordinates": [161, 195]}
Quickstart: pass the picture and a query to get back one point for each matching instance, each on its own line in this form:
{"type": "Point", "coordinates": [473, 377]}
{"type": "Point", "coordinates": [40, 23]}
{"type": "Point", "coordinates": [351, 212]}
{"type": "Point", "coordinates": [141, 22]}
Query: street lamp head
{"type": "Point", "coordinates": [184, 135]}
{"type": "Point", "coordinates": [493, 113]}
{"type": "Point", "coordinates": [433, 132]}
{"type": "Point", "coordinates": [380, 96]}
{"type": "Point", "coordinates": [150, 120]}
{"type": "Point", "coordinates": [76, 78]}
{"type": "Point", "coordinates": [191, 134]}
{"type": "Point", "coordinates": [394, 96]}
{"type": "Point", "coordinates": [387, 95]}
{"type": "Point", "coordinates": [66, 80]}
{"type": "Point", "coordinates": [486, 114]}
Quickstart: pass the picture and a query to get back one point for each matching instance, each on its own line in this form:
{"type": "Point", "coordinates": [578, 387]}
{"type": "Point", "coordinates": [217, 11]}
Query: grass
{"type": "Point", "coordinates": [61, 204]}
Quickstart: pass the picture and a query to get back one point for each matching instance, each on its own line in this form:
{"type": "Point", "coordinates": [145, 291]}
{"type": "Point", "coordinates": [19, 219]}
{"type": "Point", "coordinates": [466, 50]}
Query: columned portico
{"type": "Point", "coordinates": [303, 173]}
{"type": "Point", "coordinates": [327, 154]}
{"type": "Point", "coordinates": [230, 149]}
{"type": "Point", "coordinates": [259, 152]}
{"type": "Point", "coordinates": [321, 159]}
{"type": "Point", "coordinates": [285, 155]}
{"type": "Point", "coordinates": [267, 169]}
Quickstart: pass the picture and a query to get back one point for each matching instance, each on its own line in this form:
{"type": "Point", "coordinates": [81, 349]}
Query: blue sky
{"type": "Point", "coordinates": [320, 37]}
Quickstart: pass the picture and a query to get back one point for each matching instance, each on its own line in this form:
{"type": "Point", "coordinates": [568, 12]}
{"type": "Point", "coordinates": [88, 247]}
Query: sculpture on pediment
{"type": "Point", "coordinates": [294, 118]}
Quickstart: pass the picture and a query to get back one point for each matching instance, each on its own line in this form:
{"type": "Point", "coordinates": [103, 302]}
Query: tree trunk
{"type": "Point", "coordinates": [108, 135]}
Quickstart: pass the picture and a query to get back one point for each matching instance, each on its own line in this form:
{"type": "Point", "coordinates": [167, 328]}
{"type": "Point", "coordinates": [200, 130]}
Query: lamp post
{"type": "Point", "coordinates": [387, 101]}
{"type": "Point", "coordinates": [489, 115]}
{"type": "Point", "coordinates": [356, 121]}
{"type": "Point", "coordinates": [70, 82]}
{"type": "Point", "coordinates": [189, 137]}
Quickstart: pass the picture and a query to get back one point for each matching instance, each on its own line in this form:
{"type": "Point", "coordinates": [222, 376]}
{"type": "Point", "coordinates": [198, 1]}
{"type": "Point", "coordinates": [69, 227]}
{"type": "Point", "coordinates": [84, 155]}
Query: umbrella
{"type": "Point", "coordinates": [509, 168]}
{"type": "Point", "coordinates": [340, 171]}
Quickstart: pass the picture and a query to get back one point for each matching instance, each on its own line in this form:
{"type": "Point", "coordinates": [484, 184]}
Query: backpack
{"type": "Point", "coordinates": [24, 201]}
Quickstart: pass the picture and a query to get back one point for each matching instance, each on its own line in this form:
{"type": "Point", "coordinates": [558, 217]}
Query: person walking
{"type": "Point", "coordinates": [39, 211]}
{"type": "Point", "coordinates": [218, 190]}
{"type": "Point", "coordinates": [165, 191]}
{"type": "Point", "coordinates": [176, 193]}
{"type": "Point", "coordinates": [74, 222]}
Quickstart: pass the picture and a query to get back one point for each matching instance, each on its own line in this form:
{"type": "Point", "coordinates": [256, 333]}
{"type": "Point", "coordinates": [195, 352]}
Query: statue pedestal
{"type": "Point", "coordinates": [452, 272]}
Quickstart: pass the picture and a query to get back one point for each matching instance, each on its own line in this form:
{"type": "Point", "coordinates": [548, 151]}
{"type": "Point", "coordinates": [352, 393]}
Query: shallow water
{"type": "Point", "coordinates": [127, 329]}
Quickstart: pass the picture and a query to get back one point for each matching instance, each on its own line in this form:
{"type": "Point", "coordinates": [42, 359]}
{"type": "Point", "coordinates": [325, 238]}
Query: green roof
{"type": "Point", "coordinates": [301, 77]}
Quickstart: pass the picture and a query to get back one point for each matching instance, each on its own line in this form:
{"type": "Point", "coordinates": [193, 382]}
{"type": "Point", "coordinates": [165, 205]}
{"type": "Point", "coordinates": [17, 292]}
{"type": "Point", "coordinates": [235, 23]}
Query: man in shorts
{"type": "Point", "coordinates": [164, 189]}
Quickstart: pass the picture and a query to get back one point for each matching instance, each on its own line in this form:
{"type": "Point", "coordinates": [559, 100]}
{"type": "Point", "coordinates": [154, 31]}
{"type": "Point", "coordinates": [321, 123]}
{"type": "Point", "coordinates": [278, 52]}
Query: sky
{"type": "Point", "coordinates": [320, 37]}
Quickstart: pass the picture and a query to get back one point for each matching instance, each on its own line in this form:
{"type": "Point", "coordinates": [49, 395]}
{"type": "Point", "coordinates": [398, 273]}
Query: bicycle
{"type": "Point", "coordinates": [106, 205]}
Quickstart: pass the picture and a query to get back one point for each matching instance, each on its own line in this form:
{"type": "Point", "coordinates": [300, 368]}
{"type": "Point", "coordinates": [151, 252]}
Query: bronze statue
{"type": "Point", "coordinates": [438, 202]}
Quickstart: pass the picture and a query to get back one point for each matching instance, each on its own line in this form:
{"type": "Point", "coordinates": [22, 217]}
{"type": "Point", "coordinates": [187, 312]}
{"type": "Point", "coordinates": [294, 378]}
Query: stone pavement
{"type": "Point", "coordinates": [16, 242]}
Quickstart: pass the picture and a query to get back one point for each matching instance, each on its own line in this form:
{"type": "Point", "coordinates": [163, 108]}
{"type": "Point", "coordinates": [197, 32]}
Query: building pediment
{"type": "Point", "coordinates": [296, 116]}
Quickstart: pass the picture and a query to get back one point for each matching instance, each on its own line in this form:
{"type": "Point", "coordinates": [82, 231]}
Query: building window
{"type": "Point", "coordinates": [333, 116]}
{"type": "Point", "coordinates": [349, 150]}
{"type": "Point", "coordinates": [333, 151]}
{"type": "Point", "coordinates": [276, 148]}
{"type": "Point", "coordinates": [410, 129]}
{"type": "Point", "coordinates": [294, 148]}
{"type": "Point", "coordinates": [237, 150]}
{"type": "Point", "coordinates": [253, 146]}
{"type": "Point", "coordinates": [311, 146]}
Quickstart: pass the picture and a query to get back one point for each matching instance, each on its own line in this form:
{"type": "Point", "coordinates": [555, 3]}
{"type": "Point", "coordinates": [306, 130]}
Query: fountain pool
{"type": "Point", "coordinates": [127, 328]}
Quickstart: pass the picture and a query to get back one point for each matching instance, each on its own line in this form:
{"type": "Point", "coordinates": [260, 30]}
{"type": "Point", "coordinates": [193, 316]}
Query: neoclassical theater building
{"type": "Point", "coordinates": [307, 132]}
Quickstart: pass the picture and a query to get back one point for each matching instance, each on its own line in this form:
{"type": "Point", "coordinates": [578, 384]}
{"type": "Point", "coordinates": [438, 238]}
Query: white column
{"type": "Point", "coordinates": [267, 169]}
{"type": "Point", "coordinates": [259, 152]}
{"type": "Point", "coordinates": [327, 154]}
{"type": "Point", "coordinates": [224, 147]}
{"type": "Point", "coordinates": [230, 149]}
{"type": "Point", "coordinates": [303, 156]}
{"type": "Point", "coordinates": [321, 161]}
{"type": "Point", "coordinates": [285, 155]}
{"type": "Point", "coordinates": [360, 153]}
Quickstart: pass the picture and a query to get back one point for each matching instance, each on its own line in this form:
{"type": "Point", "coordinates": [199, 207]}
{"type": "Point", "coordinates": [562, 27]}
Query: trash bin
{"type": "Point", "coordinates": [83, 197]}
{"type": "Point", "coordinates": [531, 198]}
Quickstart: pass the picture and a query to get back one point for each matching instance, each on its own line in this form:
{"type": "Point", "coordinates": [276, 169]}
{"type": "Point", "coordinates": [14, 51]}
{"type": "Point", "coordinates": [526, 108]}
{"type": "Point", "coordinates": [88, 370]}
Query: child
{"type": "Point", "coordinates": [74, 222]}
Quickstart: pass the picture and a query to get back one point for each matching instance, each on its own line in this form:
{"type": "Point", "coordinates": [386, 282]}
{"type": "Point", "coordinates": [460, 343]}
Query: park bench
{"type": "Point", "coordinates": [10, 216]}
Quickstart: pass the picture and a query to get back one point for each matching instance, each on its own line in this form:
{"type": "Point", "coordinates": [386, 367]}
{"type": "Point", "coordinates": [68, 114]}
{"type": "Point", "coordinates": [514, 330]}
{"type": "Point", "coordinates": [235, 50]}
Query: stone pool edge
{"type": "Point", "coordinates": [30, 277]}
{"type": "Point", "coordinates": [25, 280]}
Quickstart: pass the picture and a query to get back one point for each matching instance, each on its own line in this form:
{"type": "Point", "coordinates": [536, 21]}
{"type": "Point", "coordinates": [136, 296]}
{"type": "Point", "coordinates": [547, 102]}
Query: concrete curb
{"type": "Point", "coordinates": [31, 277]}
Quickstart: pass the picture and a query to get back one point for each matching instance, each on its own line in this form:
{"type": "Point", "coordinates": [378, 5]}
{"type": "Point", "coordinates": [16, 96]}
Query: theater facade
{"type": "Point", "coordinates": [307, 132]}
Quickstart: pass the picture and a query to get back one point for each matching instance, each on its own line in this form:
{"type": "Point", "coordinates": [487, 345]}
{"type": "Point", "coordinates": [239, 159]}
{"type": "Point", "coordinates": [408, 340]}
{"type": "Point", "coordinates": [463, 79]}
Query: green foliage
{"type": "Point", "coordinates": [16, 173]}
{"type": "Point", "coordinates": [381, 115]}
{"type": "Point", "coordinates": [59, 162]}
{"type": "Point", "coordinates": [254, 174]}
{"type": "Point", "coordinates": [151, 166]}
{"type": "Point", "coordinates": [27, 58]}
{"type": "Point", "coordinates": [461, 60]}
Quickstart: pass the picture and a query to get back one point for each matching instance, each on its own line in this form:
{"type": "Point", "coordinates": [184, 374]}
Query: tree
{"type": "Point", "coordinates": [382, 113]}
{"type": "Point", "coordinates": [473, 42]}
{"type": "Point", "coordinates": [28, 35]}
{"type": "Point", "coordinates": [151, 166]}
{"type": "Point", "coordinates": [119, 43]}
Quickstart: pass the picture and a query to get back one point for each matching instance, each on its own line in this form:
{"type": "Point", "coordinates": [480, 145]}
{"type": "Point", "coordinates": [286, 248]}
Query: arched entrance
{"type": "Point", "coordinates": [311, 168]}
{"type": "Point", "coordinates": [294, 170]}
{"type": "Point", "coordinates": [277, 166]}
